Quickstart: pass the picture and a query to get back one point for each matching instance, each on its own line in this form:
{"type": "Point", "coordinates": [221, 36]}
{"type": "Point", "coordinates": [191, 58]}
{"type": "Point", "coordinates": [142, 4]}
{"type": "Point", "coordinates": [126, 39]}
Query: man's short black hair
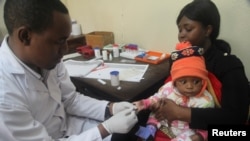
{"type": "Point", "coordinates": [37, 15]}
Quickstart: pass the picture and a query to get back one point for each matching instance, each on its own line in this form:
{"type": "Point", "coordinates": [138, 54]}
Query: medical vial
{"type": "Point", "coordinates": [114, 78]}
{"type": "Point", "coordinates": [110, 56]}
{"type": "Point", "coordinates": [104, 55]}
{"type": "Point", "coordinates": [97, 52]}
{"type": "Point", "coordinates": [116, 52]}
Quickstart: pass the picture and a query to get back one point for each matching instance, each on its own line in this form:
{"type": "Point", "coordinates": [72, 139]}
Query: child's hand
{"type": "Point", "coordinates": [155, 106]}
{"type": "Point", "coordinates": [139, 106]}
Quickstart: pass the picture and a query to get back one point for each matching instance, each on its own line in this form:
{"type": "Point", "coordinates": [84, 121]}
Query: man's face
{"type": "Point", "coordinates": [48, 47]}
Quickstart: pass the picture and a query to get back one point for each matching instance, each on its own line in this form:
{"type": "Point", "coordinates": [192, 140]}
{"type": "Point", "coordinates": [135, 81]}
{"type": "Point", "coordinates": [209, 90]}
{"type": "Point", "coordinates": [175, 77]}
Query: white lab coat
{"type": "Point", "coordinates": [33, 112]}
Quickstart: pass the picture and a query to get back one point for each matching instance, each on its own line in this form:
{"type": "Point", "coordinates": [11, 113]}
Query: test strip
{"type": "Point", "coordinates": [101, 81]}
{"type": "Point", "coordinates": [118, 88]}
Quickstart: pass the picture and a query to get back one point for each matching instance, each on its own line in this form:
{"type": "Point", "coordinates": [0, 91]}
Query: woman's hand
{"type": "Point", "coordinates": [167, 109]}
{"type": "Point", "coordinates": [196, 137]}
{"type": "Point", "coordinates": [164, 109]}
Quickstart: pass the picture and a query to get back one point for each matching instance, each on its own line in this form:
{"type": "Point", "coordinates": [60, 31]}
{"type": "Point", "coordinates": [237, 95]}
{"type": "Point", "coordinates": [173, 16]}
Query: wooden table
{"type": "Point", "coordinates": [154, 77]}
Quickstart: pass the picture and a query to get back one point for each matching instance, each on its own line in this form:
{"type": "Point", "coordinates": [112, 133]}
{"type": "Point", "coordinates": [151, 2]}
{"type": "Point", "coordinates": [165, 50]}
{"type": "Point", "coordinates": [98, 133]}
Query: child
{"type": "Point", "coordinates": [188, 87]}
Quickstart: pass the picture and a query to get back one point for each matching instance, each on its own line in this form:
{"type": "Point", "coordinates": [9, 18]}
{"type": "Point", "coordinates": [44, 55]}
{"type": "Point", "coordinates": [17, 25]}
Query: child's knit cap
{"type": "Point", "coordinates": [188, 61]}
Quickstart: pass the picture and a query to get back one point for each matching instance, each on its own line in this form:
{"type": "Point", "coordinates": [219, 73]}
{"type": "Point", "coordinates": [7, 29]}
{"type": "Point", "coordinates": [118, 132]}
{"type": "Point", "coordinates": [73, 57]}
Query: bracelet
{"type": "Point", "coordinates": [107, 111]}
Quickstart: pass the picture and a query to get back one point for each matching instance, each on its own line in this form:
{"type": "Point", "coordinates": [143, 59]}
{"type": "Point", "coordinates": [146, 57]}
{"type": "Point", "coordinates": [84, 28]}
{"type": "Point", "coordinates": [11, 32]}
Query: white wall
{"type": "Point", "coordinates": [3, 30]}
{"type": "Point", "coordinates": [151, 23]}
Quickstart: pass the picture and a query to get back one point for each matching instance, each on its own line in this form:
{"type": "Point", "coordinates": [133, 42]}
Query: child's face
{"type": "Point", "coordinates": [189, 86]}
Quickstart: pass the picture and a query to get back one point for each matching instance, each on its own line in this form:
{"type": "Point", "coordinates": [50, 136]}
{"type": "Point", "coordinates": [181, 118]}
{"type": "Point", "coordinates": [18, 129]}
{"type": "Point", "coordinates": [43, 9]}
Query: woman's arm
{"type": "Point", "coordinates": [167, 109]}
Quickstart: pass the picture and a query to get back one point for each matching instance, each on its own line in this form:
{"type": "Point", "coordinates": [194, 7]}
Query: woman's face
{"type": "Point", "coordinates": [193, 31]}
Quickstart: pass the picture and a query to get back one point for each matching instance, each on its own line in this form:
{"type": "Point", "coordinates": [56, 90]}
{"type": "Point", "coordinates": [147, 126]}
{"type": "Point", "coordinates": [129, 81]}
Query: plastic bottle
{"type": "Point", "coordinates": [97, 52]}
{"type": "Point", "coordinates": [104, 55]}
{"type": "Point", "coordinates": [110, 56]}
{"type": "Point", "coordinates": [116, 51]}
{"type": "Point", "coordinates": [114, 78]}
{"type": "Point", "coordinates": [76, 28]}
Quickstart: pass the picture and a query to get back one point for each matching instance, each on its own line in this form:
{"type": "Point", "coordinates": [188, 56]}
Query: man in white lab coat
{"type": "Point", "coordinates": [37, 99]}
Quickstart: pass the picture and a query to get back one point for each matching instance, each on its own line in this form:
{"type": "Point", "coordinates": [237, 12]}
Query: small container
{"type": "Point", "coordinates": [76, 28]}
{"type": "Point", "coordinates": [97, 52]}
{"type": "Point", "coordinates": [116, 51]}
{"type": "Point", "coordinates": [114, 78]}
{"type": "Point", "coordinates": [110, 56]}
{"type": "Point", "coordinates": [104, 55]}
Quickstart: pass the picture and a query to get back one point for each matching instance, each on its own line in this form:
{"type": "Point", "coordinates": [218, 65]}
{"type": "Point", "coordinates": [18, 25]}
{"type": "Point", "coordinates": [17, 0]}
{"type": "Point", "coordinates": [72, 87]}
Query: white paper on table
{"type": "Point", "coordinates": [81, 68]}
{"type": "Point", "coordinates": [127, 72]}
{"type": "Point", "coordinates": [72, 55]}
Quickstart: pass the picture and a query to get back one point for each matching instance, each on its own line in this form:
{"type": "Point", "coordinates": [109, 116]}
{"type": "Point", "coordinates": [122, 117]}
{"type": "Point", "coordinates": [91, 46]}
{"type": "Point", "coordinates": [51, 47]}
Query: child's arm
{"type": "Point", "coordinates": [145, 103]}
{"type": "Point", "coordinates": [139, 105]}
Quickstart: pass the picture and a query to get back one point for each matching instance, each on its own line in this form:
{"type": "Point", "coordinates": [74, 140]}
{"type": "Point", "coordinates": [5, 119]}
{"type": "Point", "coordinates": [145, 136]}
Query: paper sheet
{"type": "Point", "coordinates": [81, 68]}
{"type": "Point", "coordinates": [127, 72]}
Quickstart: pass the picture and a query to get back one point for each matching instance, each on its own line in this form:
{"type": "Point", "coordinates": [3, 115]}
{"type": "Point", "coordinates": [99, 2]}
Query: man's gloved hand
{"type": "Point", "coordinates": [122, 122]}
{"type": "Point", "coordinates": [120, 106]}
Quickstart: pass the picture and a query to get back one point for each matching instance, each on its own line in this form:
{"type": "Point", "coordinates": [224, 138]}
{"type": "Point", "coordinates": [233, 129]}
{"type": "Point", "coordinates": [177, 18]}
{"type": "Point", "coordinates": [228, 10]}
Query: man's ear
{"type": "Point", "coordinates": [209, 30]}
{"type": "Point", "coordinates": [24, 35]}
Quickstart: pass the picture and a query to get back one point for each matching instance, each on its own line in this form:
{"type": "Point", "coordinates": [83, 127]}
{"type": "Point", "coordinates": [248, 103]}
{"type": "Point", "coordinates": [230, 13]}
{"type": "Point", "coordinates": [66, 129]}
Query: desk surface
{"type": "Point", "coordinates": [130, 91]}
